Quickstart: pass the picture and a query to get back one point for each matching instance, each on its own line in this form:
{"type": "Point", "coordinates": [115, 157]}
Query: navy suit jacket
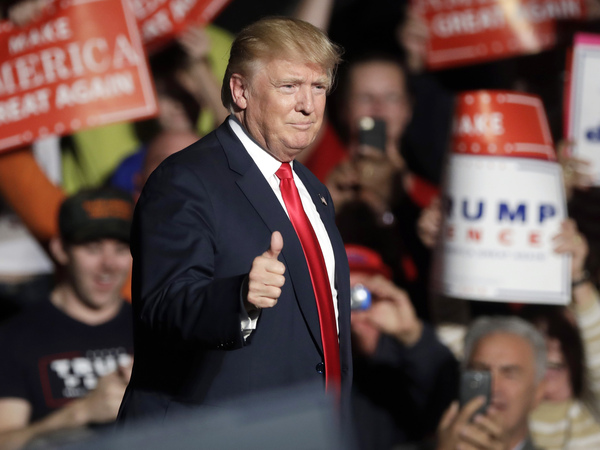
{"type": "Point", "coordinates": [202, 218]}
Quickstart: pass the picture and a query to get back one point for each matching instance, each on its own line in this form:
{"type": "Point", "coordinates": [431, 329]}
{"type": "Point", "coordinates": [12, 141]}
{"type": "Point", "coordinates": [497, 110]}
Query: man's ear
{"type": "Point", "coordinates": [239, 92]}
{"type": "Point", "coordinates": [58, 251]}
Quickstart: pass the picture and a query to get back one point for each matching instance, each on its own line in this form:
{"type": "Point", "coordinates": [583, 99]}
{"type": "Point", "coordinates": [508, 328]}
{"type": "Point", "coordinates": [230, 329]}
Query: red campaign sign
{"type": "Point", "coordinates": [466, 32]}
{"type": "Point", "coordinates": [161, 20]}
{"type": "Point", "coordinates": [83, 65]}
{"type": "Point", "coordinates": [501, 123]}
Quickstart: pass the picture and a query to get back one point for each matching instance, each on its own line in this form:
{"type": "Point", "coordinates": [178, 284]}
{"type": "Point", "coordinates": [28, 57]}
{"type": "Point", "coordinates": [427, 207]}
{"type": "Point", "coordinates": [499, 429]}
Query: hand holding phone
{"type": "Point", "coordinates": [474, 383]}
{"type": "Point", "coordinates": [457, 429]}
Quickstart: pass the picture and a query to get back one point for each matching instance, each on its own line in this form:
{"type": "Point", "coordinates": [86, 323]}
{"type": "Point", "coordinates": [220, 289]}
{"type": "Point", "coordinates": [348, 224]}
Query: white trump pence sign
{"type": "Point", "coordinates": [503, 202]}
{"type": "Point", "coordinates": [583, 102]}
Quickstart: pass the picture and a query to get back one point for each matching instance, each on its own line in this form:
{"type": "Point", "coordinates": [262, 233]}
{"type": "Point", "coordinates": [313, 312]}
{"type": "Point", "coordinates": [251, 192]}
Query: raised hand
{"type": "Point", "coordinates": [392, 311]}
{"type": "Point", "coordinates": [429, 224]}
{"type": "Point", "coordinates": [266, 276]}
{"type": "Point", "coordinates": [576, 172]}
{"type": "Point", "coordinates": [569, 240]}
{"type": "Point", "coordinates": [458, 431]}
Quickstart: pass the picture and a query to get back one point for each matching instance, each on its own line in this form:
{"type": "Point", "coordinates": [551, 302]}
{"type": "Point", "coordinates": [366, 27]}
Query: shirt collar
{"type": "Point", "coordinates": [266, 163]}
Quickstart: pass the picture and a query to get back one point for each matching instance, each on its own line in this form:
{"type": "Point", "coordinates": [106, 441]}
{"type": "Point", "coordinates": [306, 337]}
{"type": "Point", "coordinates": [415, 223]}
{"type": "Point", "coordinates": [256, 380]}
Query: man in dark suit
{"type": "Point", "coordinates": [223, 293]}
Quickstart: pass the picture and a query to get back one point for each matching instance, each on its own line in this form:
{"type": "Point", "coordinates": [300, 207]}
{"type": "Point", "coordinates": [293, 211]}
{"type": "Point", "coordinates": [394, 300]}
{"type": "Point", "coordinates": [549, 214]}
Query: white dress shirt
{"type": "Point", "coordinates": [268, 165]}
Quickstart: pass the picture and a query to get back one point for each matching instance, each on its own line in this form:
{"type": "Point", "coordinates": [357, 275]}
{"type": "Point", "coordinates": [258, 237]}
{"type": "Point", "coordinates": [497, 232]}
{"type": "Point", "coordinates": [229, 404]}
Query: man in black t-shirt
{"type": "Point", "coordinates": [64, 364]}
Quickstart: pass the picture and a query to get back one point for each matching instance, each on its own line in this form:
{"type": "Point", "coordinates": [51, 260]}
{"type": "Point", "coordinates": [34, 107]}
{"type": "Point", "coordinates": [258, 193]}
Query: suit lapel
{"type": "Point", "coordinates": [258, 192]}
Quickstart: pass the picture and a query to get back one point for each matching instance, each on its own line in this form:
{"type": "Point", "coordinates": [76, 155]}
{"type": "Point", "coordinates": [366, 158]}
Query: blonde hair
{"type": "Point", "coordinates": [279, 37]}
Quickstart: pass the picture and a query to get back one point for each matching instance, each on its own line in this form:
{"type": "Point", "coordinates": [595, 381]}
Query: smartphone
{"type": "Point", "coordinates": [474, 383]}
{"type": "Point", "coordinates": [371, 132]}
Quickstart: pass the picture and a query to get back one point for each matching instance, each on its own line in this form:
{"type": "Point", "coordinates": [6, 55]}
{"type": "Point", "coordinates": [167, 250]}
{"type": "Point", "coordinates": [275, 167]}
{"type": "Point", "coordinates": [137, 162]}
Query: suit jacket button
{"type": "Point", "coordinates": [320, 368]}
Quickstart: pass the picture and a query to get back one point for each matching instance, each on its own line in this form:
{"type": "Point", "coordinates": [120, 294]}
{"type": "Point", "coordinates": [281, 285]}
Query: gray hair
{"type": "Point", "coordinates": [485, 326]}
{"type": "Point", "coordinates": [279, 37]}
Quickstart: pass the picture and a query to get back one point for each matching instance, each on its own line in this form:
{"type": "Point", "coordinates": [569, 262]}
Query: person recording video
{"type": "Point", "coordinates": [514, 352]}
{"type": "Point", "coordinates": [404, 377]}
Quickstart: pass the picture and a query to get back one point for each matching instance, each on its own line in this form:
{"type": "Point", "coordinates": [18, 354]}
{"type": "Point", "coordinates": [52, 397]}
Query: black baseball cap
{"type": "Point", "coordinates": [95, 214]}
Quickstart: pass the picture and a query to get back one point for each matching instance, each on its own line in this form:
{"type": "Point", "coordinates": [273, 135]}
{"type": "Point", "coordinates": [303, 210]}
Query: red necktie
{"type": "Point", "coordinates": [318, 275]}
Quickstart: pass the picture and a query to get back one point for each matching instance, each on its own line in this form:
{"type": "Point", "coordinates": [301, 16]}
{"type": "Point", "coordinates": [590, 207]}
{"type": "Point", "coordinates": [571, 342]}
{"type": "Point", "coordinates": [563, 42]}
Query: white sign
{"type": "Point", "coordinates": [500, 215]}
{"type": "Point", "coordinates": [584, 104]}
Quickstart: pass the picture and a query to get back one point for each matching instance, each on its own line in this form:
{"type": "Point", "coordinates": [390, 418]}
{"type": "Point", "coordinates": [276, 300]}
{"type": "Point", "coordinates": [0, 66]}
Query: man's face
{"type": "Point", "coordinates": [98, 270]}
{"type": "Point", "coordinates": [515, 392]}
{"type": "Point", "coordinates": [378, 89]}
{"type": "Point", "coordinates": [283, 105]}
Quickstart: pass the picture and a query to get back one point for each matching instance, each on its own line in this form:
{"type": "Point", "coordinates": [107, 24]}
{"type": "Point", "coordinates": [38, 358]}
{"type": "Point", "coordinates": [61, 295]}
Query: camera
{"type": "Point", "coordinates": [360, 298]}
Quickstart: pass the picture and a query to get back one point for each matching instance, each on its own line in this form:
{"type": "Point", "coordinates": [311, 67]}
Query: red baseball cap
{"type": "Point", "coordinates": [366, 260]}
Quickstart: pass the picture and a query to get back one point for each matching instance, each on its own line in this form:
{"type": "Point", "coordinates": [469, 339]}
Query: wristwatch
{"type": "Point", "coordinates": [585, 276]}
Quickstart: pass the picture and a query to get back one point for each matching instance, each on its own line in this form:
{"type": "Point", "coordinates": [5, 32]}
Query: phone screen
{"type": "Point", "coordinates": [474, 383]}
{"type": "Point", "coordinates": [372, 132]}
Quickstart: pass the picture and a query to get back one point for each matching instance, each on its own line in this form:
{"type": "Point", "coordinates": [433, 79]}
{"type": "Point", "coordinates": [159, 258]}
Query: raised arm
{"type": "Point", "coordinates": [316, 12]}
{"type": "Point", "coordinates": [586, 300]}
{"type": "Point", "coordinates": [198, 77]}
{"type": "Point", "coordinates": [29, 192]}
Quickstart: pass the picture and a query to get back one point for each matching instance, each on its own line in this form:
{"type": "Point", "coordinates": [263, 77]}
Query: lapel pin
{"type": "Point", "coordinates": [323, 200]}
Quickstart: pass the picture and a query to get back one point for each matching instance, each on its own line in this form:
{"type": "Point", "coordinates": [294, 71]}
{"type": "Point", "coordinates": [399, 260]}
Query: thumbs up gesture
{"type": "Point", "coordinates": [266, 276]}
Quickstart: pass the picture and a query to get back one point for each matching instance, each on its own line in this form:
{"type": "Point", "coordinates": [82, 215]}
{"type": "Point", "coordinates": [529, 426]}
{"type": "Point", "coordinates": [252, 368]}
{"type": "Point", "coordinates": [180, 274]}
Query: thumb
{"type": "Point", "coordinates": [449, 416]}
{"type": "Point", "coordinates": [276, 245]}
